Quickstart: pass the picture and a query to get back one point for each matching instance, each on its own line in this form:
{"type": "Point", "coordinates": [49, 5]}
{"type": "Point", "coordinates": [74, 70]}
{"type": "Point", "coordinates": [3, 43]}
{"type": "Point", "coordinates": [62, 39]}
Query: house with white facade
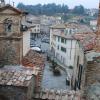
{"type": "Point", "coordinates": [33, 23]}
{"type": "Point", "coordinates": [68, 51]}
{"type": "Point", "coordinates": [47, 21]}
{"type": "Point", "coordinates": [64, 46]}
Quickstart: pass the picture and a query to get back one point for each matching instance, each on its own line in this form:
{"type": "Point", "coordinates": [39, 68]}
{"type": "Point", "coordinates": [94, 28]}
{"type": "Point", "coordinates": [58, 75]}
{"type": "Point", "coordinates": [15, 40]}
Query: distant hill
{"type": "Point", "coordinates": [50, 9]}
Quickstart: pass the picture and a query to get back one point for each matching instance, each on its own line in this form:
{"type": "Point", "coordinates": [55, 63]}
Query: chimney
{"type": "Point", "coordinates": [2, 3]}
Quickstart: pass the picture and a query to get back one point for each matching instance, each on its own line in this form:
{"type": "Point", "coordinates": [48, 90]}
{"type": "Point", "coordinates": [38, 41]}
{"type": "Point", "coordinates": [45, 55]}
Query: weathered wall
{"type": "Point", "coordinates": [13, 93]}
{"type": "Point", "coordinates": [15, 24]}
{"type": "Point", "coordinates": [18, 92]}
{"type": "Point", "coordinates": [26, 42]}
{"type": "Point", "coordinates": [31, 88]}
{"type": "Point", "coordinates": [11, 42]}
{"type": "Point", "coordinates": [10, 51]}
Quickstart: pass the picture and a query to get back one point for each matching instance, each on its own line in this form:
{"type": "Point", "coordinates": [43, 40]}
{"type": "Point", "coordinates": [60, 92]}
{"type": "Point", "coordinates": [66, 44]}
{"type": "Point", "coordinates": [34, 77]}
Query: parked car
{"type": "Point", "coordinates": [37, 49]}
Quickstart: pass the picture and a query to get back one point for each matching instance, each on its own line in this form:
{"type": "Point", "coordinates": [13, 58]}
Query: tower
{"type": "Point", "coordinates": [11, 38]}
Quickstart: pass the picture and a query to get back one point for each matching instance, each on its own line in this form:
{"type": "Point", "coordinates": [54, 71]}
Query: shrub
{"type": "Point", "coordinates": [71, 67]}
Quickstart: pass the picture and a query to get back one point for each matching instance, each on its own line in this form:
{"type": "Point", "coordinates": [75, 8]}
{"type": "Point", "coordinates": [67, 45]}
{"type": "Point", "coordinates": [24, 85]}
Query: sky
{"type": "Point", "coordinates": [70, 3]}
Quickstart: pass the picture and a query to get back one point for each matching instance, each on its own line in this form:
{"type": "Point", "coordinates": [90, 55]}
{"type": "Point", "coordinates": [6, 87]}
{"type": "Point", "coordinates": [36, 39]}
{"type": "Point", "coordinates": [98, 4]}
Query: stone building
{"type": "Point", "coordinates": [11, 37]}
{"type": "Point", "coordinates": [17, 83]}
{"type": "Point", "coordinates": [33, 23]}
{"type": "Point", "coordinates": [92, 82]}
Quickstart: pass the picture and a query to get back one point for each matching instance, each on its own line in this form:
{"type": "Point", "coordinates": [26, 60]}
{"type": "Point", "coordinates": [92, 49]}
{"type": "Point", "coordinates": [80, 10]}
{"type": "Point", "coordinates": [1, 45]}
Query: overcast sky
{"type": "Point", "coordinates": [70, 3]}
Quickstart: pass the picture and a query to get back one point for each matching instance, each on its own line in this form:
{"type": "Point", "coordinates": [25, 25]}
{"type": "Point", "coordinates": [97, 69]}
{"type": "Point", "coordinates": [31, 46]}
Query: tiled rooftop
{"type": "Point", "coordinates": [58, 95]}
{"type": "Point", "coordinates": [16, 76]}
{"type": "Point", "coordinates": [81, 28]}
{"type": "Point", "coordinates": [87, 40]}
{"type": "Point", "coordinates": [33, 59]}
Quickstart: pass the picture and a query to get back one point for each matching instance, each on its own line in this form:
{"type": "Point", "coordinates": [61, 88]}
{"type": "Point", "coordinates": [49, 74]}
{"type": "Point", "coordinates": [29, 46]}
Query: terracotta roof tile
{"type": "Point", "coordinates": [33, 59]}
{"type": "Point", "coordinates": [58, 95]}
{"type": "Point", "coordinates": [87, 40]}
{"type": "Point", "coordinates": [16, 75]}
{"type": "Point", "coordinates": [9, 78]}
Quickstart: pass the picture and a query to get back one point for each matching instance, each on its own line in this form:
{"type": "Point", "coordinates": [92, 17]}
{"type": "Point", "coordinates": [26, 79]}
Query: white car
{"type": "Point", "coordinates": [36, 49]}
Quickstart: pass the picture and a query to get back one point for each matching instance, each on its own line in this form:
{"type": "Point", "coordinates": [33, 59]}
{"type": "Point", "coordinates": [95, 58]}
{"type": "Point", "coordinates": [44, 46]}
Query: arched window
{"type": "Point", "coordinates": [8, 25]}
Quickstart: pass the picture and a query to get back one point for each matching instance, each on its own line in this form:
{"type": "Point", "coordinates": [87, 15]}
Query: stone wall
{"type": "Point", "coordinates": [16, 22]}
{"type": "Point", "coordinates": [10, 51]}
{"type": "Point", "coordinates": [92, 82]}
{"type": "Point", "coordinates": [13, 93]}
{"type": "Point", "coordinates": [11, 44]}
{"type": "Point", "coordinates": [18, 92]}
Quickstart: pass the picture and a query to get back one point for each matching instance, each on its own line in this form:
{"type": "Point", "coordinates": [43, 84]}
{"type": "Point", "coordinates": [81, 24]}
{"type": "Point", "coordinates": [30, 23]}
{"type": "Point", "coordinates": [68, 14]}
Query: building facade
{"type": "Point", "coordinates": [17, 83]}
{"type": "Point", "coordinates": [47, 21]}
{"type": "Point", "coordinates": [69, 52]}
{"type": "Point", "coordinates": [33, 23]}
{"type": "Point", "coordinates": [11, 36]}
{"type": "Point", "coordinates": [65, 47]}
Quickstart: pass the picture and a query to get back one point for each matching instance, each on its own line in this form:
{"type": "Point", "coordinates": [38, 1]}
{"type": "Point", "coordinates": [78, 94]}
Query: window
{"type": "Point", "coordinates": [66, 32]}
{"type": "Point", "coordinates": [34, 30]}
{"type": "Point", "coordinates": [63, 49]}
{"type": "Point", "coordinates": [62, 40]}
{"type": "Point", "coordinates": [58, 47]}
{"type": "Point", "coordinates": [58, 38]}
{"type": "Point", "coordinates": [8, 25]}
{"type": "Point", "coordinates": [38, 30]}
{"type": "Point", "coordinates": [70, 31]}
{"type": "Point", "coordinates": [65, 41]}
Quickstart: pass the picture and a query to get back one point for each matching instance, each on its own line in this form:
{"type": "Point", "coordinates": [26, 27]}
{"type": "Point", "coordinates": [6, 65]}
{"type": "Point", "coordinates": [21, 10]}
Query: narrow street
{"type": "Point", "coordinates": [54, 82]}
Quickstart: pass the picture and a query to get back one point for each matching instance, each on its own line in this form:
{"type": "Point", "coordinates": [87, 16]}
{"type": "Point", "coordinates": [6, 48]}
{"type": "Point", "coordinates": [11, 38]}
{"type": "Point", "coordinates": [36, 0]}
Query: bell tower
{"type": "Point", "coordinates": [11, 37]}
{"type": "Point", "coordinates": [2, 3]}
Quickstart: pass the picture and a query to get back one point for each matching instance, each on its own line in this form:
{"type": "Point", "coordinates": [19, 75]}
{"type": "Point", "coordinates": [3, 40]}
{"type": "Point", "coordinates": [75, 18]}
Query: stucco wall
{"type": "Point", "coordinates": [26, 42]}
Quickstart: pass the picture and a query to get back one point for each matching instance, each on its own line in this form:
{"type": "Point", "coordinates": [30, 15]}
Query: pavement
{"type": "Point", "coordinates": [54, 82]}
{"type": "Point", "coordinates": [50, 81]}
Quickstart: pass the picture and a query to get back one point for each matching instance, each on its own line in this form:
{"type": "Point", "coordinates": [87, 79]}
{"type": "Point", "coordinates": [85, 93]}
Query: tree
{"type": "Point", "coordinates": [65, 9]}
{"type": "Point", "coordinates": [79, 9]}
{"type": "Point", "coordinates": [47, 9]}
{"type": "Point", "coordinates": [21, 6]}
